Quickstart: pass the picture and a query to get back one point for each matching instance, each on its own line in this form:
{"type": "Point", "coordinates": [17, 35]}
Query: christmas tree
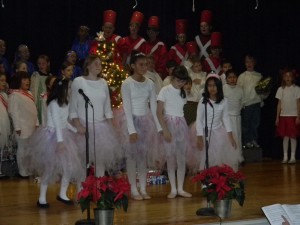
{"type": "Point", "coordinates": [113, 73]}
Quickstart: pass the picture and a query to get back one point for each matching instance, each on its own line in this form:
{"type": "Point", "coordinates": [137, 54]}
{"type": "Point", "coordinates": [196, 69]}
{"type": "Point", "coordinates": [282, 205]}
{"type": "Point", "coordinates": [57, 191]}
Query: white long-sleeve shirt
{"type": "Point", "coordinates": [97, 92]}
{"type": "Point", "coordinates": [23, 112]}
{"type": "Point", "coordinates": [136, 98]}
{"type": "Point", "coordinates": [57, 118]}
{"type": "Point", "coordinates": [216, 116]}
{"type": "Point", "coordinates": [247, 81]}
{"type": "Point", "coordinates": [234, 95]}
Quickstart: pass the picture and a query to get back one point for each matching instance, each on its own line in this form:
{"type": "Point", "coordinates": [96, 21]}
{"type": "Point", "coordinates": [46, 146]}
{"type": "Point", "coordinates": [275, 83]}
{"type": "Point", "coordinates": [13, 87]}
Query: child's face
{"type": "Point", "coordinates": [150, 64]}
{"type": "Point", "coordinates": [140, 66]}
{"type": "Point", "coordinates": [215, 51]}
{"type": "Point", "coordinates": [212, 88]}
{"type": "Point", "coordinates": [231, 79]}
{"type": "Point", "coordinates": [134, 28]}
{"type": "Point", "coordinates": [249, 63]}
{"type": "Point", "coordinates": [25, 84]}
{"type": "Point", "coordinates": [177, 83]}
{"type": "Point", "coordinates": [2, 48]}
{"type": "Point", "coordinates": [2, 82]}
{"type": "Point", "coordinates": [95, 67]}
{"type": "Point", "coordinates": [22, 67]}
{"type": "Point", "coordinates": [67, 72]}
{"type": "Point", "coordinates": [152, 34]}
{"type": "Point", "coordinates": [72, 57]}
{"type": "Point", "coordinates": [288, 79]}
{"type": "Point", "coordinates": [188, 87]}
{"type": "Point", "coordinates": [24, 53]}
{"type": "Point", "coordinates": [2, 69]}
{"type": "Point", "coordinates": [226, 67]}
{"type": "Point", "coordinates": [204, 28]}
{"type": "Point", "coordinates": [43, 64]}
{"type": "Point", "coordinates": [82, 33]}
{"type": "Point", "coordinates": [197, 67]}
{"type": "Point", "coordinates": [181, 38]}
{"type": "Point", "coordinates": [108, 29]}
{"type": "Point", "coordinates": [170, 70]}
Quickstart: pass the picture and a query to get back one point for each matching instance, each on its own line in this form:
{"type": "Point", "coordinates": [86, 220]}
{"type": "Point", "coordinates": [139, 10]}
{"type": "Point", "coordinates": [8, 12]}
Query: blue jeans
{"type": "Point", "coordinates": [250, 123]}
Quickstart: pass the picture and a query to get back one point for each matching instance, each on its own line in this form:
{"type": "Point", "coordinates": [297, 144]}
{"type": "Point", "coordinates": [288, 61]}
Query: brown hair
{"type": "Point", "coordinates": [88, 61]}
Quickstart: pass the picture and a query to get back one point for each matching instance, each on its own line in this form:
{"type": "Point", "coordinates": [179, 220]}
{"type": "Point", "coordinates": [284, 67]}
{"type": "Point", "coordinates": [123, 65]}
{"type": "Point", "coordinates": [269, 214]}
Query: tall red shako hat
{"type": "Point", "coordinates": [153, 22]}
{"type": "Point", "coordinates": [109, 16]}
{"type": "Point", "coordinates": [216, 40]}
{"type": "Point", "coordinates": [137, 17]}
{"type": "Point", "coordinates": [206, 16]}
{"type": "Point", "coordinates": [181, 26]}
{"type": "Point", "coordinates": [192, 48]}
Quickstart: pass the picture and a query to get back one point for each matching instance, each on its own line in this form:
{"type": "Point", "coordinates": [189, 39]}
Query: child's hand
{"type": "Point", "coordinates": [200, 143]}
{"type": "Point", "coordinates": [18, 132]}
{"type": "Point", "coordinates": [297, 121]}
{"type": "Point", "coordinates": [167, 135]}
{"type": "Point", "coordinates": [277, 121]}
{"type": "Point", "coordinates": [133, 138]}
{"type": "Point", "coordinates": [197, 81]}
{"type": "Point", "coordinates": [60, 147]}
{"type": "Point", "coordinates": [81, 130]}
{"type": "Point", "coordinates": [285, 222]}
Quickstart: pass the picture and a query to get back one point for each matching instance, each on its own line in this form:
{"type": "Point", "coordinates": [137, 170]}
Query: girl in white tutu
{"type": "Point", "coordinates": [4, 119]}
{"type": "Point", "coordinates": [107, 147]}
{"type": "Point", "coordinates": [142, 126]}
{"type": "Point", "coordinates": [171, 100]}
{"type": "Point", "coordinates": [222, 146]}
{"type": "Point", "coordinates": [53, 150]}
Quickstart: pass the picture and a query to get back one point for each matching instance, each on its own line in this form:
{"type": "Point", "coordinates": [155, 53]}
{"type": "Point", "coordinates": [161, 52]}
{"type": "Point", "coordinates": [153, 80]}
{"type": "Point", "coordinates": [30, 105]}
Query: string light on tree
{"type": "Point", "coordinates": [113, 73]}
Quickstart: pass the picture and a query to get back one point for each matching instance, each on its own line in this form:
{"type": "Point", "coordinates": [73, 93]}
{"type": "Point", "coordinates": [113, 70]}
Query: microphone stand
{"type": "Point", "coordinates": [88, 221]}
{"type": "Point", "coordinates": [208, 211]}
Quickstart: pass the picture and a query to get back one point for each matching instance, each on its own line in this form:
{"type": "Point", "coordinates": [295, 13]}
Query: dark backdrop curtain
{"type": "Point", "coordinates": [270, 32]}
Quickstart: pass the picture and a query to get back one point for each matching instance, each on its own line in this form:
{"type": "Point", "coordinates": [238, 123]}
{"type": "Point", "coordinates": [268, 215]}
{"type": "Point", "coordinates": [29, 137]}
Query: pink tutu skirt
{"type": "Point", "coordinates": [220, 150]}
{"type": "Point", "coordinates": [45, 159]}
{"type": "Point", "coordinates": [147, 146]}
{"type": "Point", "coordinates": [287, 127]}
{"type": "Point", "coordinates": [180, 143]}
{"type": "Point", "coordinates": [107, 146]}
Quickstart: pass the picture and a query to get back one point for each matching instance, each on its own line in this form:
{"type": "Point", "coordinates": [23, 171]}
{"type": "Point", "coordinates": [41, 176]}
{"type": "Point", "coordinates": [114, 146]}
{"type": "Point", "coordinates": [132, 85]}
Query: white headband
{"type": "Point", "coordinates": [213, 75]}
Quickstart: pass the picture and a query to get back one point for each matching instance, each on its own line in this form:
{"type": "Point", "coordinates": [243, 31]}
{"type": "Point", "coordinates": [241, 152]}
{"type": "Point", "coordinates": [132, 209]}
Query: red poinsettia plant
{"type": "Point", "coordinates": [222, 182]}
{"type": "Point", "coordinates": [106, 192]}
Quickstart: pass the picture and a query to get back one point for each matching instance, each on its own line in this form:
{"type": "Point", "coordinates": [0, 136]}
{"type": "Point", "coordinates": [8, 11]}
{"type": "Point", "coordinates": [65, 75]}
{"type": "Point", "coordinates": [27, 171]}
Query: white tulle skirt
{"type": "Point", "coordinates": [107, 148]}
{"type": "Point", "coordinates": [147, 146]}
{"type": "Point", "coordinates": [48, 161]}
{"type": "Point", "coordinates": [220, 149]}
{"type": "Point", "coordinates": [180, 143]}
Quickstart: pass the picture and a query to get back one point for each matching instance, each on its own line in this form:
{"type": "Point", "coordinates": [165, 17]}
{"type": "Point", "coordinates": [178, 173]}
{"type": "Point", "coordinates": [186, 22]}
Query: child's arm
{"type": "Point", "coordinates": [199, 125]}
{"type": "Point", "coordinates": [298, 110]}
{"type": "Point", "coordinates": [279, 110]}
{"type": "Point", "coordinates": [160, 116]}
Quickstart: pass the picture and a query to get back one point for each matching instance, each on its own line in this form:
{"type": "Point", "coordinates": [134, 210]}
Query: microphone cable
{"type": "Point", "coordinates": [94, 141]}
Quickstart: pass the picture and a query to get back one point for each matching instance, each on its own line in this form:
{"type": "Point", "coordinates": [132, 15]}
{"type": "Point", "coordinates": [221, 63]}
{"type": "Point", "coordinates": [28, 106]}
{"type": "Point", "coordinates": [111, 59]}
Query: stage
{"type": "Point", "coordinates": [267, 182]}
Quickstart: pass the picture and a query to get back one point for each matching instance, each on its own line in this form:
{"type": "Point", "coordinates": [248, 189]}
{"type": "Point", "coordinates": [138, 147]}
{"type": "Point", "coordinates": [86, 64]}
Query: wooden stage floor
{"type": "Point", "coordinates": [267, 183]}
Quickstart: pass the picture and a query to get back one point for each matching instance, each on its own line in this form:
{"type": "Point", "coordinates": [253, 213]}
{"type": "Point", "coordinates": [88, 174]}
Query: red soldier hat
{"type": "Point", "coordinates": [109, 16]}
{"type": "Point", "coordinates": [181, 25]}
{"type": "Point", "coordinates": [153, 22]}
{"type": "Point", "coordinates": [216, 39]}
{"type": "Point", "coordinates": [192, 48]}
{"type": "Point", "coordinates": [206, 16]}
{"type": "Point", "coordinates": [137, 17]}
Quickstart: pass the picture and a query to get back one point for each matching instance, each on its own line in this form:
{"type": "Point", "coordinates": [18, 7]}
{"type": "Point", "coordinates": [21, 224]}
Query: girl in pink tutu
{"type": "Point", "coordinates": [142, 126]}
{"type": "Point", "coordinates": [222, 146]}
{"type": "Point", "coordinates": [287, 116]}
{"type": "Point", "coordinates": [53, 150]}
{"type": "Point", "coordinates": [171, 100]}
{"type": "Point", "coordinates": [106, 152]}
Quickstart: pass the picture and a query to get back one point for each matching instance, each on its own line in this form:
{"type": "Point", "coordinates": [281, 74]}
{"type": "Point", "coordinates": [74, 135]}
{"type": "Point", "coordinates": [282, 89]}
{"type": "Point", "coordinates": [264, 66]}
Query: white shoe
{"type": "Point", "coordinates": [185, 194]}
{"type": "Point", "coordinates": [292, 161]}
{"type": "Point", "coordinates": [136, 196]}
{"type": "Point", "coordinates": [172, 195]}
{"type": "Point", "coordinates": [145, 196]}
{"type": "Point", "coordinates": [284, 161]}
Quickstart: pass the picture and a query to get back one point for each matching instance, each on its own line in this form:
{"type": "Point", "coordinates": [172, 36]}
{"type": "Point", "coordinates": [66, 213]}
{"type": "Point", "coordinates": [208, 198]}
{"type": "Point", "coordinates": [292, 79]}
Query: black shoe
{"type": "Point", "coordinates": [2, 176]}
{"type": "Point", "coordinates": [67, 202]}
{"type": "Point", "coordinates": [42, 206]}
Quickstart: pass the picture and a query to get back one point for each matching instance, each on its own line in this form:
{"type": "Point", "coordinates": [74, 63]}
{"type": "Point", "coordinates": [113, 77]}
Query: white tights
{"type": "Point", "coordinates": [286, 147]}
{"type": "Point", "coordinates": [132, 166]}
{"type": "Point", "coordinates": [171, 164]}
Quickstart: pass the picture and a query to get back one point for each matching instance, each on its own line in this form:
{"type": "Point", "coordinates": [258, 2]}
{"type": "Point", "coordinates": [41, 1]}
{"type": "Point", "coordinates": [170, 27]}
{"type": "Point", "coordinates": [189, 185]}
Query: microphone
{"type": "Point", "coordinates": [86, 98]}
{"type": "Point", "coordinates": [206, 99]}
